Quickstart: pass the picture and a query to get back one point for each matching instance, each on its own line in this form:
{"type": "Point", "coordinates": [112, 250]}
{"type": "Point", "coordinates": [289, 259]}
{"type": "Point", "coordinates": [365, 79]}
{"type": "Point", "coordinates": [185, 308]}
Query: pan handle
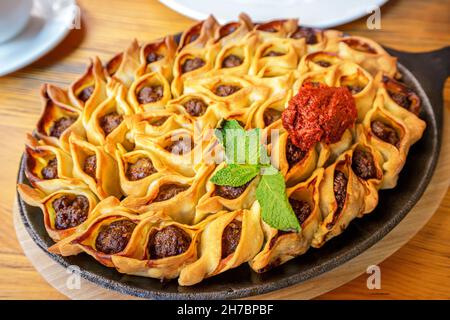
{"type": "Point", "coordinates": [430, 68]}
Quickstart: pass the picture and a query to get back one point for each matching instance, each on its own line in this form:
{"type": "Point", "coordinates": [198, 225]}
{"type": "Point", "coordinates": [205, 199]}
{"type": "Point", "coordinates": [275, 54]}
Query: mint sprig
{"type": "Point", "coordinates": [276, 210]}
{"type": "Point", "coordinates": [246, 158]}
{"type": "Point", "coordinates": [235, 175]}
{"type": "Point", "coordinates": [241, 146]}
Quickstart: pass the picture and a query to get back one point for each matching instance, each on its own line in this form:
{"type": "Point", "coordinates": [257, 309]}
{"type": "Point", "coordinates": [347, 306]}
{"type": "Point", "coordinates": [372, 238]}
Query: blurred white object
{"type": "Point", "coordinates": [312, 13]}
{"type": "Point", "coordinates": [14, 15]}
{"type": "Point", "coordinates": [48, 23]}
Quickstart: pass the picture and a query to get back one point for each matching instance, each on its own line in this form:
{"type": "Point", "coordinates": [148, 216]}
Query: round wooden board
{"type": "Point", "coordinates": [58, 276]}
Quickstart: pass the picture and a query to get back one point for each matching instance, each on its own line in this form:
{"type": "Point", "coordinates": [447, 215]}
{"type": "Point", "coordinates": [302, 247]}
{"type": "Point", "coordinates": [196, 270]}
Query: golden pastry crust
{"type": "Point", "coordinates": [121, 162]}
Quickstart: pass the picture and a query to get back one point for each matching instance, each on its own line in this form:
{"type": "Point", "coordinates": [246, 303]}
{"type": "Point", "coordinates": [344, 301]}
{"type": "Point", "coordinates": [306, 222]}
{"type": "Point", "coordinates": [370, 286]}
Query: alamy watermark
{"type": "Point", "coordinates": [374, 280]}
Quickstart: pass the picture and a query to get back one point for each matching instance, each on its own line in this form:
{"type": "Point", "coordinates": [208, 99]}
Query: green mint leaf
{"type": "Point", "coordinates": [231, 124]}
{"type": "Point", "coordinates": [276, 210]}
{"type": "Point", "coordinates": [232, 136]}
{"type": "Point", "coordinates": [242, 146]}
{"type": "Point", "coordinates": [235, 175]}
{"type": "Point", "coordinates": [253, 146]}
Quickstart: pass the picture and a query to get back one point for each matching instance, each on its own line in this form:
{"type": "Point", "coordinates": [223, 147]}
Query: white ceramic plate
{"type": "Point", "coordinates": [313, 13]}
{"type": "Point", "coordinates": [49, 23]}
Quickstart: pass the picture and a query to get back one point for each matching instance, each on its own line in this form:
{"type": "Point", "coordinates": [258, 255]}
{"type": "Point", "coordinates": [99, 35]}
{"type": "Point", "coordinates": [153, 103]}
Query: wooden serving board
{"type": "Point", "coordinates": [58, 276]}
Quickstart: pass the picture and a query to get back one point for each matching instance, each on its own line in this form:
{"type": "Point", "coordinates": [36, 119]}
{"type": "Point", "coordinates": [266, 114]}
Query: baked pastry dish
{"type": "Point", "coordinates": [236, 143]}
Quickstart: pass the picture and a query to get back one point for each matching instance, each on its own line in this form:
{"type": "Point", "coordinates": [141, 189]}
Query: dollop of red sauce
{"type": "Point", "coordinates": [319, 113]}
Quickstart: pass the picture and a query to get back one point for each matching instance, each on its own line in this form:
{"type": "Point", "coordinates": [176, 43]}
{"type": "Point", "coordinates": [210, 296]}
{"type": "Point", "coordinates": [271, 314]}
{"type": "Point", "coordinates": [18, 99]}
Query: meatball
{"type": "Point", "coordinates": [340, 188]}
{"type": "Point", "coordinates": [195, 107]}
{"type": "Point", "coordinates": [230, 237]}
{"type": "Point", "coordinates": [308, 33]}
{"type": "Point", "coordinates": [360, 46]}
{"type": "Point", "coordinates": [181, 146]}
{"type": "Point", "coordinates": [323, 63]}
{"type": "Point", "coordinates": [385, 132]}
{"type": "Point", "coordinates": [50, 171]}
{"type": "Point", "coordinates": [270, 116]}
{"type": "Point", "coordinates": [159, 121]}
{"type": "Point", "coordinates": [114, 238]}
{"type": "Point", "coordinates": [86, 93]}
{"type": "Point", "coordinates": [231, 61]}
{"type": "Point", "coordinates": [142, 168]}
{"type": "Point", "coordinates": [168, 242]}
{"type": "Point", "coordinates": [61, 125]}
{"type": "Point", "coordinates": [355, 89]}
{"type": "Point", "coordinates": [225, 90]}
{"type": "Point", "coordinates": [110, 122]}
{"type": "Point", "coordinates": [70, 211]}
{"type": "Point", "coordinates": [153, 57]}
{"type": "Point", "coordinates": [401, 99]}
{"type": "Point", "coordinates": [192, 64]}
{"type": "Point", "coordinates": [293, 153]}
{"type": "Point", "coordinates": [273, 53]}
{"type": "Point", "coordinates": [90, 165]}
{"type": "Point", "coordinates": [150, 94]}
{"type": "Point", "coordinates": [301, 208]}
{"type": "Point", "coordinates": [229, 192]}
{"type": "Point", "coordinates": [363, 164]}
{"type": "Point", "coordinates": [168, 191]}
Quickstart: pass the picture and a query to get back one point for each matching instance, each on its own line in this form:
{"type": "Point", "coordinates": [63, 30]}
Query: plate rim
{"type": "Point", "coordinates": [187, 11]}
{"type": "Point", "coordinates": [45, 47]}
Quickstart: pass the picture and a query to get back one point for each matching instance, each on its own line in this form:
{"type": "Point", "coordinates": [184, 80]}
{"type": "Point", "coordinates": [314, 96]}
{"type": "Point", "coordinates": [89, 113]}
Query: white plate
{"type": "Point", "coordinates": [313, 13]}
{"type": "Point", "coordinates": [49, 23]}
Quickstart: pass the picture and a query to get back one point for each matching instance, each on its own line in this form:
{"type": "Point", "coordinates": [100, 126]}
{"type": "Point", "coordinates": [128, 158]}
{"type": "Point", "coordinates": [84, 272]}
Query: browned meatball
{"type": "Point", "coordinates": [150, 94]}
{"type": "Point", "coordinates": [355, 89]}
{"type": "Point", "coordinates": [61, 125]}
{"type": "Point", "coordinates": [229, 192]}
{"type": "Point", "coordinates": [192, 64]}
{"type": "Point", "coordinates": [142, 168]}
{"type": "Point", "coordinates": [363, 164]}
{"type": "Point", "coordinates": [168, 191]}
{"type": "Point", "coordinates": [270, 29]}
{"type": "Point", "coordinates": [110, 122]}
{"type": "Point", "coordinates": [159, 121]}
{"type": "Point", "coordinates": [153, 57]}
{"type": "Point", "coordinates": [195, 107]}
{"type": "Point", "coordinates": [70, 211]}
{"type": "Point", "coordinates": [90, 165]}
{"type": "Point", "coordinates": [385, 132]}
{"type": "Point", "coordinates": [50, 171]}
{"type": "Point", "coordinates": [231, 61]}
{"type": "Point", "coordinates": [273, 53]}
{"type": "Point", "coordinates": [168, 242]}
{"type": "Point", "coordinates": [86, 93]}
{"type": "Point", "coordinates": [301, 208]}
{"type": "Point", "coordinates": [323, 63]}
{"type": "Point", "coordinates": [193, 37]}
{"type": "Point", "coordinates": [308, 33]}
{"type": "Point", "coordinates": [181, 146]}
{"type": "Point", "coordinates": [114, 237]}
{"type": "Point", "coordinates": [359, 46]}
{"type": "Point", "coordinates": [401, 99]}
{"type": "Point", "coordinates": [340, 188]}
{"type": "Point", "coordinates": [403, 95]}
{"type": "Point", "coordinates": [225, 90]}
{"type": "Point", "coordinates": [230, 237]}
{"type": "Point", "coordinates": [270, 116]}
{"type": "Point", "coordinates": [293, 153]}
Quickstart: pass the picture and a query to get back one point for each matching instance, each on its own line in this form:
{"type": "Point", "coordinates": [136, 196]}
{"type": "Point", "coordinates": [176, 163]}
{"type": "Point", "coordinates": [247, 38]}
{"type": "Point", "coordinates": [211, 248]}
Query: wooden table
{"type": "Point", "coordinates": [421, 269]}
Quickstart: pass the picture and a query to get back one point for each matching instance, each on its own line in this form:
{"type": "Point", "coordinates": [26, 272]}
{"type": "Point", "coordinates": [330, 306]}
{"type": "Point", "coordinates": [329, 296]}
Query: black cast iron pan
{"type": "Point", "coordinates": [426, 74]}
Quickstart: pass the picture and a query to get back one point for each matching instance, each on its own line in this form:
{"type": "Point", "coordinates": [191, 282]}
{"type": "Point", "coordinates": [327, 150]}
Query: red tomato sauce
{"type": "Point", "coordinates": [319, 113]}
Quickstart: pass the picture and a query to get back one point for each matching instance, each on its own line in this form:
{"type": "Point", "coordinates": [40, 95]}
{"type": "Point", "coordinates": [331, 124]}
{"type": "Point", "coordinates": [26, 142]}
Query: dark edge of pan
{"type": "Point", "coordinates": [425, 73]}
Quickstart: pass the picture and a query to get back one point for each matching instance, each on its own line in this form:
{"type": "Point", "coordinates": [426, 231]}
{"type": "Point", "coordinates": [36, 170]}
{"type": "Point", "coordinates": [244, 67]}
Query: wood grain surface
{"type": "Point", "coordinates": [420, 269]}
